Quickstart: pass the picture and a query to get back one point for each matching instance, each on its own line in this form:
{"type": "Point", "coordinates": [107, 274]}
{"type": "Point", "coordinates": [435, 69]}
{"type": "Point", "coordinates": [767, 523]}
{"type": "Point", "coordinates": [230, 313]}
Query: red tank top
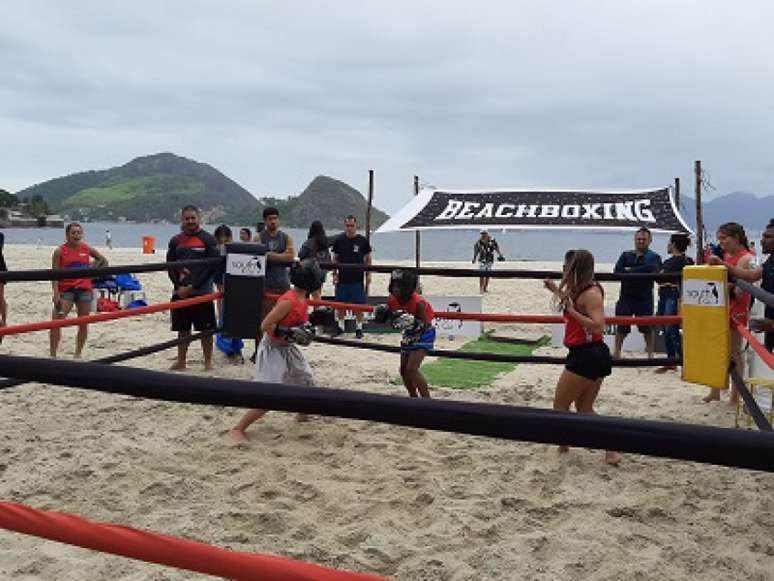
{"type": "Point", "coordinates": [298, 314]}
{"type": "Point", "coordinates": [77, 257]}
{"type": "Point", "coordinates": [574, 333]}
{"type": "Point", "coordinates": [739, 303]}
{"type": "Point", "coordinates": [412, 305]}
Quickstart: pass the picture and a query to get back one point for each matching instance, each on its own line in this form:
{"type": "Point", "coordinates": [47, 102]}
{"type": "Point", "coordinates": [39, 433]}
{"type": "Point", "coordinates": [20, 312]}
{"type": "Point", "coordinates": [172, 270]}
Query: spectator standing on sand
{"type": "Point", "coordinates": [636, 298]}
{"type": "Point", "coordinates": [316, 246]}
{"type": "Point", "coordinates": [78, 292]}
{"type": "Point", "coordinates": [351, 248]}
{"type": "Point", "coordinates": [484, 250]}
{"type": "Point", "coordinates": [192, 243]}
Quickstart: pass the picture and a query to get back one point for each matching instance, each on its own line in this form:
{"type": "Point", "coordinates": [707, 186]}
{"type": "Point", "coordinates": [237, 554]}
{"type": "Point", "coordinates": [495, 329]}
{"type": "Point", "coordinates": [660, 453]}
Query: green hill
{"type": "Point", "coordinates": [328, 200]}
{"type": "Point", "coordinates": [155, 187]}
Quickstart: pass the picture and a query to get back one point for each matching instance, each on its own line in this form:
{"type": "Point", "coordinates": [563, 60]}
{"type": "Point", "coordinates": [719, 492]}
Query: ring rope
{"type": "Point", "coordinates": [499, 317]}
{"type": "Point", "coordinates": [762, 352]}
{"type": "Point", "coordinates": [750, 402]}
{"type": "Point", "coordinates": [103, 271]}
{"type": "Point", "coordinates": [133, 354]}
{"type": "Point", "coordinates": [722, 446]}
{"type": "Point", "coordinates": [164, 549]}
{"type": "Point", "coordinates": [98, 317]}
{"type": "Point", "coordinates": [495, 357]}
{"type": "Point", "coordinates": [765, 297]}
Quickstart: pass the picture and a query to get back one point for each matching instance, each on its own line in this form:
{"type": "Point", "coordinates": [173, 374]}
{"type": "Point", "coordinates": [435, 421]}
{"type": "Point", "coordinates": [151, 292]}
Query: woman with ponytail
{"type": "Point", "coordinates": [588, 361]}
{"type": "Point", "coordinates": [732, 239]}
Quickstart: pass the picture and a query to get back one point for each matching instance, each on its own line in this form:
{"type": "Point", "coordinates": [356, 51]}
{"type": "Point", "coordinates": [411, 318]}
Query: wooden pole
{"type": "Point", "coordinates": [370, 203]}
{"type": "Point", "coordinates": [417, 240]}
{"type": "Point", "coordinates": [368, 217]}
{"type": "Point", "coordinates": [699, 217]}
{"type": "Point", "coordinates": [677, 193]}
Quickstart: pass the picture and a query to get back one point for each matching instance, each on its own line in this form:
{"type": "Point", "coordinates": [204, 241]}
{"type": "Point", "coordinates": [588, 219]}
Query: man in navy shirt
{"type": "Point", "coordinates": [636, 298]}
{"type": "Point", "coordinates": [192, 243]}
{"type": "Point", "coordinates": [765, 274]}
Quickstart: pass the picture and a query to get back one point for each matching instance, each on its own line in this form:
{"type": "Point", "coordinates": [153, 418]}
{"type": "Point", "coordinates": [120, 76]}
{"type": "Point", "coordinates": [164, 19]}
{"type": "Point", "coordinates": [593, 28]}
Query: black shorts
{"type": "Point", "coordinates": [201, 317]}
{"type": "Point", "coordinates": [591, 360]}
{"type": "Point", "coordinates": [636, 307]}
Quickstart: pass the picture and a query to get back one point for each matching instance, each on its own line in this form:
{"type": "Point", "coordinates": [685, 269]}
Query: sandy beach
{"type": "Point", "coordinates": [404, 503]}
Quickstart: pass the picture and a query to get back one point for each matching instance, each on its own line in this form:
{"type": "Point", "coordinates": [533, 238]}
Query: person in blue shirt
{"type": "Point", "coordinates": [636, 298]}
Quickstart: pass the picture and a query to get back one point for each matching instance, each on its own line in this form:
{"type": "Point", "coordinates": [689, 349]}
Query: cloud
{"type": "Point", "coordinates": [585, 94]}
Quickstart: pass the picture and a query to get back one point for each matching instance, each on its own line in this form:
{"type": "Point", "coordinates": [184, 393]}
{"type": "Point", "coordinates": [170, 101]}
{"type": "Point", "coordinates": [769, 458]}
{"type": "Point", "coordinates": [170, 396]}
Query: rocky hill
{"type": "Point", "coordinates": [326, 199]}
{"type": "Point", "coordinates": [155, 187]}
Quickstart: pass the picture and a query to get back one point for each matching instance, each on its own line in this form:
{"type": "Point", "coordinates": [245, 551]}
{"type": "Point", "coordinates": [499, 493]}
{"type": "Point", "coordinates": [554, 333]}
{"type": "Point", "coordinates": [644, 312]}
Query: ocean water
{"type": "Point", "coordinates": [443, 245]}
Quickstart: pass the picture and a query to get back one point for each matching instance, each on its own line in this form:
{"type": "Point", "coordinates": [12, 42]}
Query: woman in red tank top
{"type": "Point", "coordinates": [736, 252]}
{"type": "Point", "coordinates": [588, 361]}
{"type": "Point", "coordinates": [74, 253]}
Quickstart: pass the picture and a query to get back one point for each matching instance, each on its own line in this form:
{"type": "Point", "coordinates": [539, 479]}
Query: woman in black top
{"type": "Point", "coordinates": [3, 268]}
{"type": "Point", "coordinates": [317, 247]}
{"type": "Point", "coordinates": [669, 296]}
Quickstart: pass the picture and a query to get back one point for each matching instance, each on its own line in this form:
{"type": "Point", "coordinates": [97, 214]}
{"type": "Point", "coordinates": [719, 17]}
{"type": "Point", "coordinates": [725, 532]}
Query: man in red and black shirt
{"type": "Point", "coordinates": [192, 243]}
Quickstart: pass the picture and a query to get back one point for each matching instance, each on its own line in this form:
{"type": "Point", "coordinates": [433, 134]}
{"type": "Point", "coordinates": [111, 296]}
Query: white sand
{"type": "Point", "coordinates": [364, 496]}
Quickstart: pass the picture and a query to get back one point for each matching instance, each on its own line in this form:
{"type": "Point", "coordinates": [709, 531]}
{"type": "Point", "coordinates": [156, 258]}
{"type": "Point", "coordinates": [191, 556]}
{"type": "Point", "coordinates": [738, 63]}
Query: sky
{"type": "Point", "coordinates": [544, 94]}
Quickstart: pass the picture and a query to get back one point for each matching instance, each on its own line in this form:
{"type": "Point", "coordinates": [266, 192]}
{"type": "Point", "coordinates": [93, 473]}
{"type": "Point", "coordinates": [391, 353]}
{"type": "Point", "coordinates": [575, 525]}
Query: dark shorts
{"type": "Point", "coordinates": [351, 292]}
{"type": "Point", "coordinates": [637, 307]}
{"type": "Point", "coordinates": [768, 341]}
{"type": "Point", "coordinates": [591, 360]}
{"type": "Point", "coordinates": [425, 343]}
{"type": "Point", "coordinates": [201, 317]}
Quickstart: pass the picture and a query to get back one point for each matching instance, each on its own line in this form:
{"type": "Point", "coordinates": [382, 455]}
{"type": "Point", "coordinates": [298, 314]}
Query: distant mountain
{"type": "Point", "coordinates": [329, 200]}
{"type": "Point", "coordinates": [751, 211]}
{"type": "Point", "coordinates": [155, 187]}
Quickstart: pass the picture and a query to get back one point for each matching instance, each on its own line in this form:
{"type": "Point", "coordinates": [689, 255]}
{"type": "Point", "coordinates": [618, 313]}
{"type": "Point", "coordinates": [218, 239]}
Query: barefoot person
{"type": "Point", "coordinates": [279, 360]}
{"type": "Point", "coordinates": [732, 240]}
{"type": "Point", "coordinates": [192, 243]}
{"type": "Point", "coordinates": [74, 253]}
{"type": "Point", "coordinates": [408, 311]}
{"type": "Point", "coordinates": [588, 361]}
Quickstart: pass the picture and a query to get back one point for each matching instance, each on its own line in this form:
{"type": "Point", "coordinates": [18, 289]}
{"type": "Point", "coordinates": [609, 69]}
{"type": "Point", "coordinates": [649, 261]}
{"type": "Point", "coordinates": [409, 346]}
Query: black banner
{"type": "Point", "coordinates": [540, 209]}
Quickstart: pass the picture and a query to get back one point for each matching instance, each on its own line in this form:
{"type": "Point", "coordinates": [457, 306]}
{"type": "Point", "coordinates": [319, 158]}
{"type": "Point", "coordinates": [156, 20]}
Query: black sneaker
{"type": "Point", "coordinates": [358, 333]}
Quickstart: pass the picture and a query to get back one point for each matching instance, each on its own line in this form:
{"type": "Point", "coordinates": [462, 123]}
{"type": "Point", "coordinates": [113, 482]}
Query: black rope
{"type": "Point", "coordinates": [749, 401]}
{"type": "Point", "coordinates": [723, 446]}
{"type": "Point", "coordinates": [511, 273]}
{"type": "Point", "coordinates": [141, 352]}
{"type": "Point", "coordinates": [765, 297]}
{"type": "Point", "coordinates": [495, 357]}
{"type": "Point", "coordinates": [103, 271]}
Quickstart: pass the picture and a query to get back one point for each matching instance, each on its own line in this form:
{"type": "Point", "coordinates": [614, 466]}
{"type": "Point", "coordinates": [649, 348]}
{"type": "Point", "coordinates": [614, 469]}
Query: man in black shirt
{"type": "Point", "coordinates": [764, 273]}
{"type": "Point", "coordinates": [669, 296]}
{"type": "Point", "coordinates": [351, 248]}
{"type": "Point", "coordinates": [192, 243]}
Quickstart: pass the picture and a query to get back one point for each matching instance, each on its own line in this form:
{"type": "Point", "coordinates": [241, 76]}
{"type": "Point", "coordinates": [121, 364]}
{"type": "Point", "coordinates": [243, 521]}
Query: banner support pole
{"type": "Point", "coordinates": [417, 238]}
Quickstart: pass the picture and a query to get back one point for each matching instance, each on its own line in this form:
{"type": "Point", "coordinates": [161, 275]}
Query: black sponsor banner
{"type": "Point", "coordinates": [549, 209]}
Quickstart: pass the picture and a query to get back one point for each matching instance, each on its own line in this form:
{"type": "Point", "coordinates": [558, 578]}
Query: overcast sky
{"type": "Point", "coordinates": [602, 94]}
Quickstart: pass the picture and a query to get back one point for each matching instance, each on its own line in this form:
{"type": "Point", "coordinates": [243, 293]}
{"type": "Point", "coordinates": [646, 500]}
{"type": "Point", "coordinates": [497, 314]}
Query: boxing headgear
{"type": "Point", "coordinates": [306, 274]}
{"type": "Point", "coordinates": [403, 282]}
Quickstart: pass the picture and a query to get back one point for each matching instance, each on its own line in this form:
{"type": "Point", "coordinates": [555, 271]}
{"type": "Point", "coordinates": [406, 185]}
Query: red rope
{"type": "Point", "coordinates": [164, 549]}
{"type": "Point", "coordinates": [503, 317]}
{"type": "Point", "coordinates": [762, 352]}
{"type": "Point", "coordinates": [58, 323]}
